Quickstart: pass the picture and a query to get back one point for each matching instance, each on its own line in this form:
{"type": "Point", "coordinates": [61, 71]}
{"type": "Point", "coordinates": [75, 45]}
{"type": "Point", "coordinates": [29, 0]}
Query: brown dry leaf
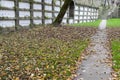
{"type": "Point", "coordinates": [28, 68]}
{"type": "Point", "coordinates": [114, 75]}
{"type": "Point", "coordinates": [17, 78]}
{"type": "Point", "coordinates": [30, 51]}
{"type": "Point", "coordinates": [1, 56]}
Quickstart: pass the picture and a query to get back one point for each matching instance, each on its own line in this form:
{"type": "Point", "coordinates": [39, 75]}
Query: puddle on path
{"type": "Point", "coordinates": [96, 65]}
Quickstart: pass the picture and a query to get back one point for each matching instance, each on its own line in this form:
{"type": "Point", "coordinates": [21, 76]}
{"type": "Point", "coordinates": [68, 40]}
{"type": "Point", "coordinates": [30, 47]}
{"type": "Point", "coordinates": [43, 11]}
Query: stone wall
{"type": "Point", "coordinates": [15, 13]}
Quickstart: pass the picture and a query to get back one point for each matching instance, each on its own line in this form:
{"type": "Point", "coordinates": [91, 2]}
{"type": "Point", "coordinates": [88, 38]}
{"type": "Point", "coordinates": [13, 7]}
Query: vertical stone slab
{"type": "Point", "coordinates": [78, 14]}
{"type": "Point", "coordinates": [43, 12]}
{"type": "Point", "coordinates": [31, 13]}
{"type": "Point", "coordinates": [83, 14]}
{"type": "Point", "coordinates": [16, 3]}
{"type": "Point", "coordinates": [119, 11]}
{"type": "Point", "coordinates": [87, 14]}
{"type": "Point", "coordinates": [53, 5]}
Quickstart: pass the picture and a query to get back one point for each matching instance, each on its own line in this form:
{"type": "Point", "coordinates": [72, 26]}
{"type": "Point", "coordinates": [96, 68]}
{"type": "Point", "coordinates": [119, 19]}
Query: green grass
{"type": "Point", "coordinates": [116, 56]}
{"type": "Point", "coordinates": [27, 55]}
{"type": "Point", "coordinates": [113, 23]}
{"type": "Point", "coordinates": [88, 24]}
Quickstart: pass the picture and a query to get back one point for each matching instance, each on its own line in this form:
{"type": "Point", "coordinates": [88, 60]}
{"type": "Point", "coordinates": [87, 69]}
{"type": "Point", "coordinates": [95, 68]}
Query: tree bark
{"type": "Point", "coordinates": [62, 12]}
{"type": "Point", "coordinates": [105, 2]}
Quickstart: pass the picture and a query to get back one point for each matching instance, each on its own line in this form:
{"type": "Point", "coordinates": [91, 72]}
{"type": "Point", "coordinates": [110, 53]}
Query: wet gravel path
{"type": "Point", "coordinates": [97, 64]}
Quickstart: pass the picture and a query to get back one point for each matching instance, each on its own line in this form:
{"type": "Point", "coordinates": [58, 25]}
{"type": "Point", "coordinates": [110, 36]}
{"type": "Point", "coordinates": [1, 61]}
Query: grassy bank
{"type": "Point", "coordinates": [116, 56]}
{"type": "Point", "coordinates": [114, 36]}
{"type": "Point", "coordinates": [88, 24]}
{"type": "Point", "coordinates": [45, 53]}
{"type": "Point", "coordinates": [113, 22]}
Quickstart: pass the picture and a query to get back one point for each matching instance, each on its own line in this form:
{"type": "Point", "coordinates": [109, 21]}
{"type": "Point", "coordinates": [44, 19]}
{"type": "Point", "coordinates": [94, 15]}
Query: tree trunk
{"type": "Point", "coordinates": [105, 3]}
{"type": "Point", "coordinates": [62, 12]}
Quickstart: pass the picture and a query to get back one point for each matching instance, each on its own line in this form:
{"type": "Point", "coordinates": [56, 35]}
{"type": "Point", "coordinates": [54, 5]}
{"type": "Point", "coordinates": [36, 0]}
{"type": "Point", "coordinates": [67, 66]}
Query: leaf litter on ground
{"type": "Point", "coordinates": [45, 53]}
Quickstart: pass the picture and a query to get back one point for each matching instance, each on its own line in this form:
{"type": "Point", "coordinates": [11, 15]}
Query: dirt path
{"type": "Point", "coordinates": [96, 65]}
